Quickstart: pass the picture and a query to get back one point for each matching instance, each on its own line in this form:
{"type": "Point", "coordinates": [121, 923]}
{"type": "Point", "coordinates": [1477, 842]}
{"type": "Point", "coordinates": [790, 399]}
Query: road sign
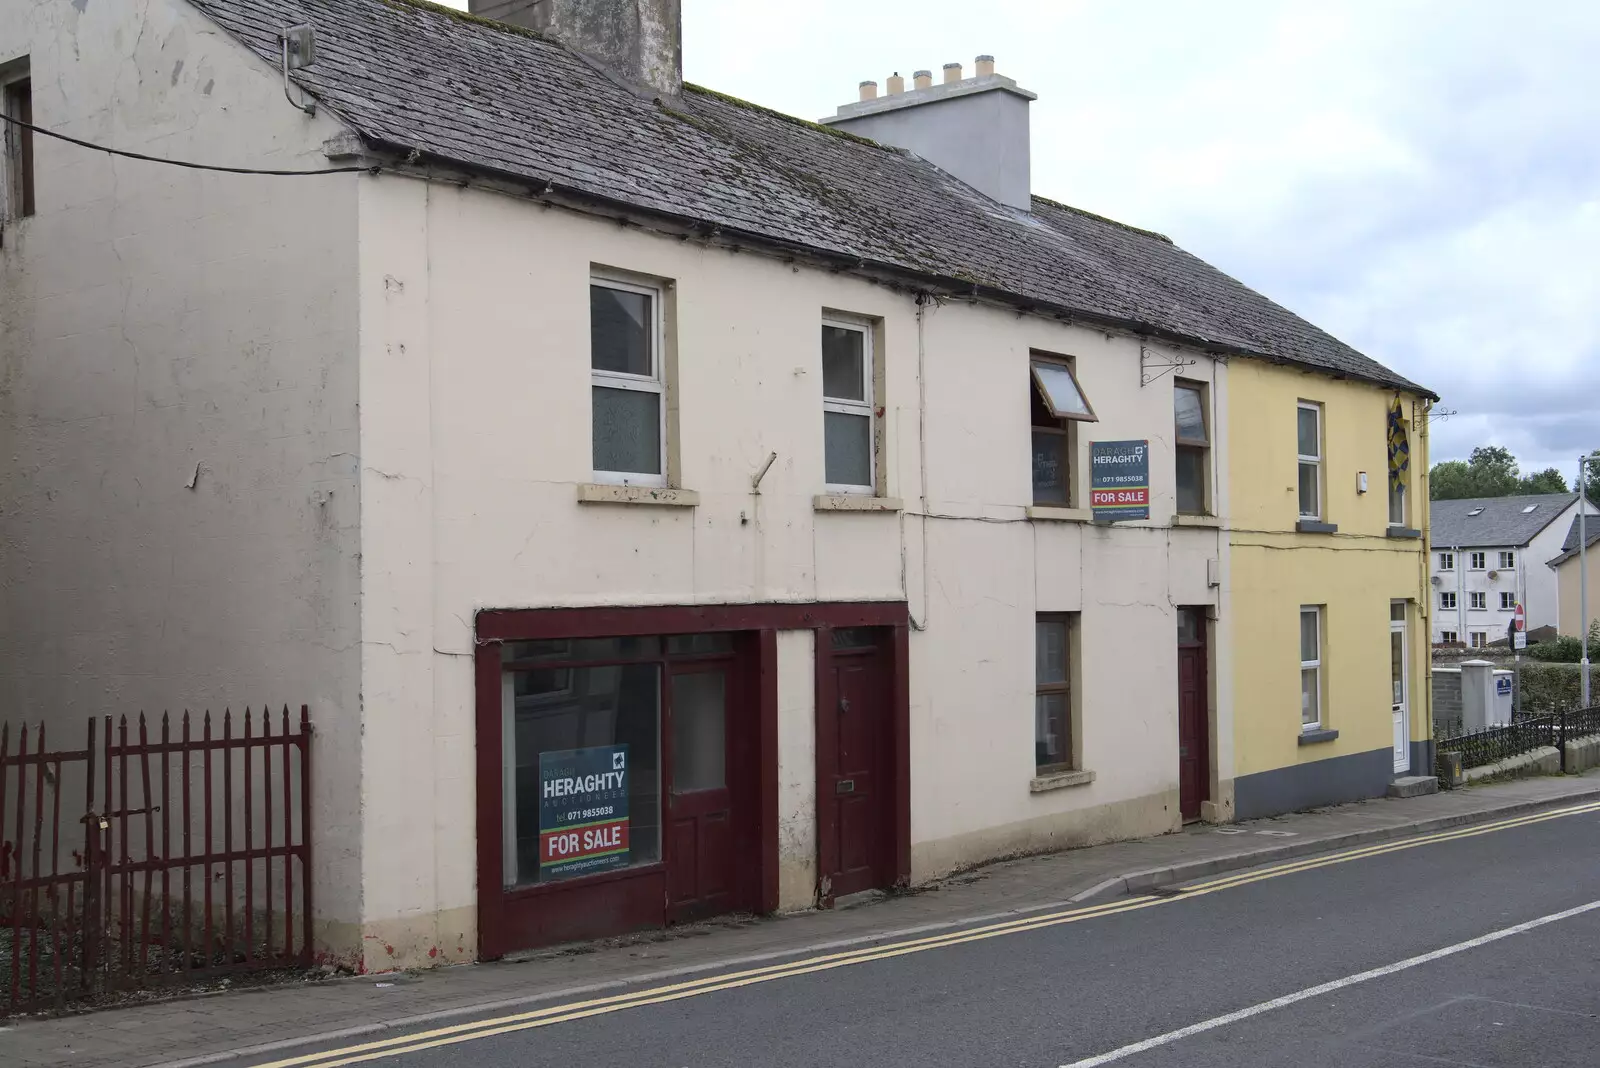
{"type": "Point", "coordinates": [1521, 618]}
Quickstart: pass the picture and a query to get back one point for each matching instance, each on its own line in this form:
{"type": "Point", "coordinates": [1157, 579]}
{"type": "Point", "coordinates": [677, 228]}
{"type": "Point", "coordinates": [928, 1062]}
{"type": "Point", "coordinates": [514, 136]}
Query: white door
{"type": "Point", "coordinates": [1400, 675]}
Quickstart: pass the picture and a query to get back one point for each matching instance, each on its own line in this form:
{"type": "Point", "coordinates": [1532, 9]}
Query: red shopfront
{"type": "Point", "coordinates": [628, 763]}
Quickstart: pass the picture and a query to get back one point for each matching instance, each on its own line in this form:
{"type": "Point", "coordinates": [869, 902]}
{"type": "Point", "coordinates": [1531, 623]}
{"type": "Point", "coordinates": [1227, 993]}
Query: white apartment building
{"type": "Point", "coordinates": [1488, 555]}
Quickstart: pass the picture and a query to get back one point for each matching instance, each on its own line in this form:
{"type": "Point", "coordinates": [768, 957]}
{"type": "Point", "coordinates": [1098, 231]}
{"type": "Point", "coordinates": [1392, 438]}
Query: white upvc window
{"type": "Point", "coordinates": [1447, 561]}
{"type": "Point", "coordinates": [1308, 435]}
{"type": "Point", "coordinates": [628, 394]}
{"type": "Point", "coordinates": [1310, 667]}
{"type": "Point", "coordinates": [1480, 639]}
{"type": "Point", "coordinates": [1508, 602]}
{"type": "Point", "coordinates": [1479, 601]}
{"type": "Point", "coordinates": [849, 431]}
{"type": "Point", "coordinates": [1507, 561]}
{"type": "Point", "coordinates": [1447, 602]}
{"type": "Point", "coordinates": [1447, 637]}
{"type": "Point", "coordinates": [1477, 561]}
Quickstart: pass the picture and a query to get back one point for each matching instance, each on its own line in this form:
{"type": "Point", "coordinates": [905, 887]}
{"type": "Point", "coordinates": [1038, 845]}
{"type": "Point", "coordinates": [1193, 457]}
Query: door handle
{"type": "Point", "coordinates": [844, 705]}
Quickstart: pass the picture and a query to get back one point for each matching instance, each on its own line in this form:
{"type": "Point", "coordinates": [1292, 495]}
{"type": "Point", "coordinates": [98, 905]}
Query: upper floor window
{"type": "Point", "coordinates": [1447, 561]}
{"type": "Point", "coordinates": [1193, 447]}
{"type": "Point", "coordinates": [16, 97]}
{"type": "Point", "coordinates": [1476, 561]}
{"type": "Point", "coordinates": [1309, 439]}
{"type": "Point", "coordinates": [628, 387]}
{"type": "Point", "coordinates": [1479, 601]}
{"type": "Point", "coordinates": [1447, 602]}
{"type": "Point", "coordinates": [1399, 465]}
{"type": "Point", "coordinates": [847, 408]}
{"type": "Point", "coordinates": [1508, 560]}
{"type": "Point", "coordinates": [1058, 405]}
{"type": "Point", "coordinates": [1508, 602]}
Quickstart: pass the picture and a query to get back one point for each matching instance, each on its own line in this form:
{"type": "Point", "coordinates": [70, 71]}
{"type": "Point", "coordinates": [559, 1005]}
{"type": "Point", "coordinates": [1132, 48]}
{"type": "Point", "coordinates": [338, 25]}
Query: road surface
{"type": "Point", "coordinates": [1478, 947]}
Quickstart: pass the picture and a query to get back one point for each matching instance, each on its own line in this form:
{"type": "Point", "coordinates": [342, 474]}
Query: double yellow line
{"type": "Point", "coordinates": [555, 1014]}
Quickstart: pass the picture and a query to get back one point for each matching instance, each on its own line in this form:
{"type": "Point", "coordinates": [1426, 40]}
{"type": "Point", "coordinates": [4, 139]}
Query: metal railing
{"type": "Point", "coordinates": [177, 857]}
{"type": "Point", "coordinates": [1525, 734]}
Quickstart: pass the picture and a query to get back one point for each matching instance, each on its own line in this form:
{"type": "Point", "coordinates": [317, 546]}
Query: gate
{"type": "Point", "coordinates": [143, 861]}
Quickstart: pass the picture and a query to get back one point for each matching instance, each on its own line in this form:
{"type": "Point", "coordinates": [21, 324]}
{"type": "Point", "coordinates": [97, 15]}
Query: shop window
{"type": "Point", "coordinates": [1058, 405]}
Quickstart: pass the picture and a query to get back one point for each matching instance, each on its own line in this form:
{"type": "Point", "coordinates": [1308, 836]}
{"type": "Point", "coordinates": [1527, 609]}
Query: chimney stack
{"type": "Point", "coordinates": [869, 90]}
{"type": "Point", "coordinates": [973, 128]}
{"type": "Point", "coordinates": [641, 41]}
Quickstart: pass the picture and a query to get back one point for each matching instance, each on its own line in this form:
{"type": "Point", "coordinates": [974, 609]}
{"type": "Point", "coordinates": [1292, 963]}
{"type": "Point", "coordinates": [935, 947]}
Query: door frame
{"type": "Point", "coordinates": [1403, 628]}
{"type": "Point", "coordinates": [608, 903]}
{"type": "Point", "coordinates": [1208, 732]}
{"type": "Point", "coordinates": [893, 657]}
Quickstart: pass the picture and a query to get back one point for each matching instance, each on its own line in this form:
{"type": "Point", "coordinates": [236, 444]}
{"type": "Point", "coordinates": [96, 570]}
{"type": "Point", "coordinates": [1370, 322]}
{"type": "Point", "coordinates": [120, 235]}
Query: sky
{"type": "Point", "coordinates": [1420, 178]}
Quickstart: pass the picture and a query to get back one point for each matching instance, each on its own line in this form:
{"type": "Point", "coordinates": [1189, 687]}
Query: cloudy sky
{"type": "Point", "coordinates": [1419, 177]}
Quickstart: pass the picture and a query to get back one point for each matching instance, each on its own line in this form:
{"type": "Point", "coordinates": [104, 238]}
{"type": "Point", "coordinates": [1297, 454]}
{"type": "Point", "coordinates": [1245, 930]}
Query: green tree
{"type": "Point", "coordinates": [1490, 472]}
{"type": "Point", "coordinates": [1547, 481]}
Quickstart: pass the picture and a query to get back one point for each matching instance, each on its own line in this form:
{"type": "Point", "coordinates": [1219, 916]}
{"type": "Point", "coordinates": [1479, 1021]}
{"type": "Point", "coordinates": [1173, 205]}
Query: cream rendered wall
{"type": "Point", "coordinates": [1568, 579]}
{"type": "Point", "coordinates": [177, 415]}
{"type": "Point", "coordinates": [797, 769]}
{"type": "Point", "coordinates": [1355, 573]}
{"type": "Point", "coordinates": [475, 435]}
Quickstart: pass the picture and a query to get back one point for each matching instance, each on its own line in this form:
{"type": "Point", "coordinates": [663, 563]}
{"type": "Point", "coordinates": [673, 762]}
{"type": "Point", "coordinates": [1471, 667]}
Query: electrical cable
{"type": "Point", "coordinates": [365, 169]}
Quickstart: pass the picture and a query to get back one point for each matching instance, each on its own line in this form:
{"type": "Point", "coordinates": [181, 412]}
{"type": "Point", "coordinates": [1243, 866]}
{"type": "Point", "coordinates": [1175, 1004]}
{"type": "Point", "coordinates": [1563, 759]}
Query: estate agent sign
{"type": "Point", "coordinates": [1119, 480]}
{"type": "Point", "coordinates": [583, 811]}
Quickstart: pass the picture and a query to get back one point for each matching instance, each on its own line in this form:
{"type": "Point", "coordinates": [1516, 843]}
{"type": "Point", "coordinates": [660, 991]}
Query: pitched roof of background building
{"type": "Point", "coordinates": [408, 75]}
{"type": "Point", "coordinates": [1502, 521]}
{"type": "Point", "coordinates": [1569, 546]}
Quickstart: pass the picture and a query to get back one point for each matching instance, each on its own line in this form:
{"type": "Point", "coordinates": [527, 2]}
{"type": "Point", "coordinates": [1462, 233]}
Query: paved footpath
{"type": "Point", "coordinates": [216, 1028]}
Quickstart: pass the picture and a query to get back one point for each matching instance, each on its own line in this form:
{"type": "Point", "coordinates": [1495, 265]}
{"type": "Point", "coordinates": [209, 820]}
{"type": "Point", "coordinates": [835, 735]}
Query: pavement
{"type": "Point", "coordinates": [1070, 986]}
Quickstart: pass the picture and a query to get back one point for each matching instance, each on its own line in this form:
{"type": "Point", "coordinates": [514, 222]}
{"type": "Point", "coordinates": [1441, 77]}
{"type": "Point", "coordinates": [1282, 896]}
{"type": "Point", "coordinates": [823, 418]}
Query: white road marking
{"type": "Point", "coordinates": [1326, 988]}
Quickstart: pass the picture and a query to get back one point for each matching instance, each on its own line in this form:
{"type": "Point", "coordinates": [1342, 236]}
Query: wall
{"type": "Point", "coordinates": [1569, 583]}
{"type": "Point", "coordinates": [177, 421]}
{"type": "Point", "coordinates": [476, 437]}
{"type": "Point", "coordinates": [1355, 573]}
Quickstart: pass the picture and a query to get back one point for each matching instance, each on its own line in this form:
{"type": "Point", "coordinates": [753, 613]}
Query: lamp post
{"type": "Point", "coordinates": [1583, 569]}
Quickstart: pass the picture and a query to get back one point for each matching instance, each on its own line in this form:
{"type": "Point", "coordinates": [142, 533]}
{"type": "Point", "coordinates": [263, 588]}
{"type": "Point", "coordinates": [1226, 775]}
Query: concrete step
{"type": "Point", "coordinates": [1414, 786]}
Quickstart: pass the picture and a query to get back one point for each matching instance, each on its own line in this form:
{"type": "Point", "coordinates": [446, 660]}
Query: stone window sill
{"type": "Point", "coordinates": [1060, 780]}
{"type": "Point", "coordinates": [1402, 532]}
{"type": "Point", "coordinates": [1316, 526]}
{"type": "Point", "coordinates": [1184, 520]}
{"type": "Point", "coordinates": [1317, 737]}
{"type": "Point", "coordinates": [855, 502]}
{"type": "Point", "coordinates": [1055, 514]}
{"type": "Point", "coordinates": [661, 496]}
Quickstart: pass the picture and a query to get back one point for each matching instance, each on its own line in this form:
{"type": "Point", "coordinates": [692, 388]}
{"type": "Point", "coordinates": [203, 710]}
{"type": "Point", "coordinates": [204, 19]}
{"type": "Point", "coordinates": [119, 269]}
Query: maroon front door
{"type": "Point", "coordinates": [1194, 719]}
{"type": "Point", "coordinates": [855, 742]}
{"type": "Point", "coordinates": [700, 844]}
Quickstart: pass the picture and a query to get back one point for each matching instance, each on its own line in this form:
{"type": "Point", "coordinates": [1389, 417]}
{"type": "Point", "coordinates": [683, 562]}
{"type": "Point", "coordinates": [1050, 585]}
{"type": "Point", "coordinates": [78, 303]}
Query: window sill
{"type": "Point", "coordinates": [1402, 532]}
{"type": "Point", "coordinates": [855, 502]}
{"type": "Point", "coordinates": [663, 496]}
{"type": "Point", "coordinates": [1316, 526]}
{"type": "Point", "coordinates": [1317, 737]}
{"type": "Point", "coordinates": [1055, 514]}
{"type": "Point", "coordinates": [1060, 780]}
{"type": "Point", "coordinates": [1184, 519]}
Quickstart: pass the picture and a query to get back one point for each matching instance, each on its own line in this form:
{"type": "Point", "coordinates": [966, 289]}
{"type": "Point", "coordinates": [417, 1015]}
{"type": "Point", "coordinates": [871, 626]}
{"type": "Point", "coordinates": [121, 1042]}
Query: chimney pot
{"type": "Point", "coordinates": [869, 90]}
{"type": "Point", "coordinates": [922, 79]}
{"type": "Point", "coordinates": [897, 84]}
{"type": "Point", "coordinates": [985, 66]}
{"type": "Point", "coordinates": [952, 72]}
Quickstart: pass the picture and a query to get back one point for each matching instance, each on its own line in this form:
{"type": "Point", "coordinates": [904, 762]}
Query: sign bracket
{"type": "Point", "coordinates": [1153, 366]}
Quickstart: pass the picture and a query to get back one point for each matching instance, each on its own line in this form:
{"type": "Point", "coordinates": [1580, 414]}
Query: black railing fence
{"type": "Point", "coordinates": [1527, 733]}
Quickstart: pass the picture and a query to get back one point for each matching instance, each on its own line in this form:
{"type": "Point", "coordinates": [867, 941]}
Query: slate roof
{"type": "Point", "coordinates": [407, 75]}
{"type": "Point", "coordinates": [1569, 546]}
{"type": "Point", "coordinates": [1501, 523]}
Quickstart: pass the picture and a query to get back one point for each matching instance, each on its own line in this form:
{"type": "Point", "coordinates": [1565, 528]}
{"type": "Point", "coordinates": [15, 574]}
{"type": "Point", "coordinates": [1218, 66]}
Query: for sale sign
{"type": "Point", "coordinates": [1119, 480]}
{"type": "Point", "coordinates": [583, 811]}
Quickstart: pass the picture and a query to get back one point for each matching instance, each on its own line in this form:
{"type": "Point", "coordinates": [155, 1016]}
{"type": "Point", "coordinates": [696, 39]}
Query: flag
{"type": "Point", "coordinates": [1399, 447]}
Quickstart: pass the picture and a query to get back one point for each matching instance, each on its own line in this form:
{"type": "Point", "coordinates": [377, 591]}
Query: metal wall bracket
{"type": "Point", "coordinates": [299, 45]}
{"type": "Point", "coordinates": [1153, 366]}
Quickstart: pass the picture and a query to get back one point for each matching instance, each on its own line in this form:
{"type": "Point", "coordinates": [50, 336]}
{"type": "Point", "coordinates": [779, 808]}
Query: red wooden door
{"type": "Point", "coordinates": [855, 747]}
{"type": "Point", "coordinates": [700, 805]}
{"type": "Point", "coordinates": [1194, 718]}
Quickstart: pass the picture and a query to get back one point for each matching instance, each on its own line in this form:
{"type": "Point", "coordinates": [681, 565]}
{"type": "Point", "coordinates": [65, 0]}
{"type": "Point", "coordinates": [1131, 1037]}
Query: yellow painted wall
{"type": "Point", "coordinates": [1568, 588]}
{"type": "Point", "coordinates": [1355, 573]}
